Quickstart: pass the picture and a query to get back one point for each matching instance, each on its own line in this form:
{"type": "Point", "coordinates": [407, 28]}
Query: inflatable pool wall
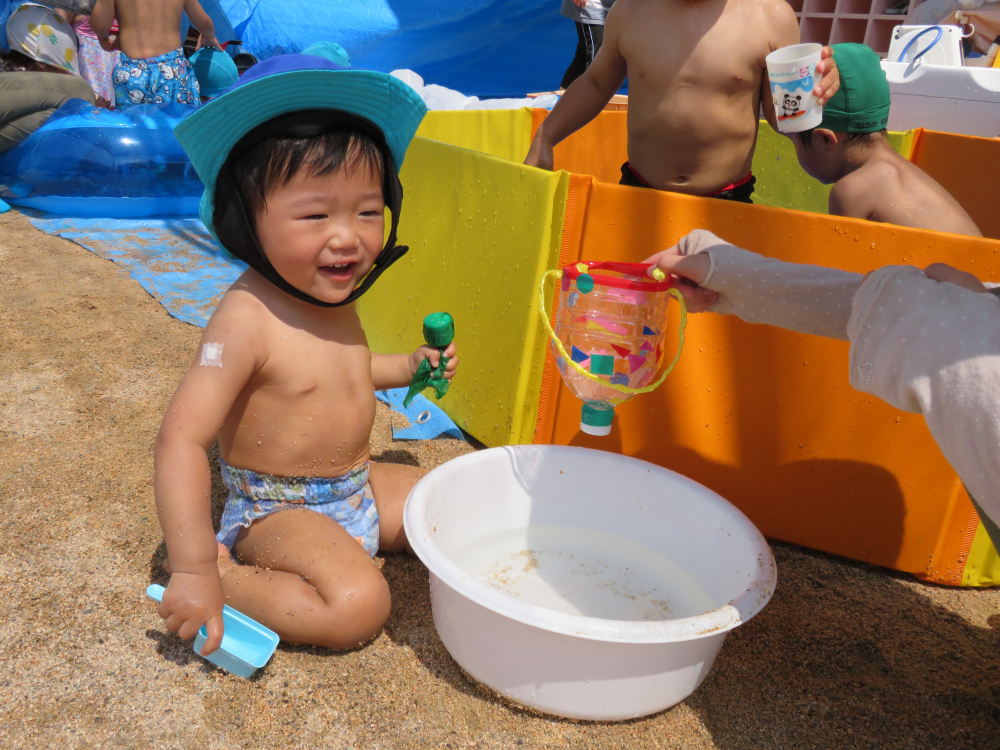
{"type": "Point", "coordinates": [600, 148]}
{"type": "Point", "coordinates": [87, 161]}
{"type": "Point", "coordinates": [763, 416]}
{"type": "Point", "coordinates": [766, 417]}
{"type": "Point", "coordinates": [481, 231]}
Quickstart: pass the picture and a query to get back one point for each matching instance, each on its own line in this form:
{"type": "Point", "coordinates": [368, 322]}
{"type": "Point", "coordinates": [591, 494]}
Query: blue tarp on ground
{"type": "Point", "coordinates": [175, 260]}
{"type": "Point", "coordinates": [426, 420]}
{"type": "Point", "coordinates": [479, 47]}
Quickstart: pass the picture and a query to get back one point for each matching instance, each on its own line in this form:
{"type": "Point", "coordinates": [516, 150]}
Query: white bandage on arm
{"type": "Point", "coordinates": [211, 355]}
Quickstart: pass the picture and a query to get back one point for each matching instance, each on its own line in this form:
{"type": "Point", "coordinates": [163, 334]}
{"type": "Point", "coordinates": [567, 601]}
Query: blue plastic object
{"type": "Point", "coordinates": [427, 420]}
{"type": "Point", "coordinates": [483, 48]}
{"type": "Point", "coordinates": [246, 644]}
{"type": "Point", "coordinates": [87, 161]}
{"type": "Point", "coordinates": [925, 50]}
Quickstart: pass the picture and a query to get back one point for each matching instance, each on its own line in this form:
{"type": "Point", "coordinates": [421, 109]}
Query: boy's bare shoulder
{"type": "Point", "coordinates": [863, 190]}
{"type": "Point", "coordinates": [779, 21]}
{"type": "Point", "coordinates": [243, 310]}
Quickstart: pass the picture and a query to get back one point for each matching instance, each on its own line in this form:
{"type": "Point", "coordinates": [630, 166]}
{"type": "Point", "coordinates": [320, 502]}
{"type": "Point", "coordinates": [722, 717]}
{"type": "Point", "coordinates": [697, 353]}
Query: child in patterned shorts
{"type": "Point", "coordinates": [152, 68]}
{"type": "Point", "coordinates": [299, 161]}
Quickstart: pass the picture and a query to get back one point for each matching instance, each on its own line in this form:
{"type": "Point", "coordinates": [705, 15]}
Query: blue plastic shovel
{"type": "Point", "coordinates": [246, 644]}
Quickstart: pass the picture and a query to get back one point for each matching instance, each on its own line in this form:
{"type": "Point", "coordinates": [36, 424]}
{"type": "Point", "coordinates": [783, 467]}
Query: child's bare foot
{"type": "Point", "coordinates": [225, 561]}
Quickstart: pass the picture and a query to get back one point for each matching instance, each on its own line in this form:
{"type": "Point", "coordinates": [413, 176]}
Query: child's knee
{"type": "Point", "coordinates": [355, 613]}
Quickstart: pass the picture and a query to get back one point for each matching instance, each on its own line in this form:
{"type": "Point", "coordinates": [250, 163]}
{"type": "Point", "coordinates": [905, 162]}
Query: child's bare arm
{"type": "Point", "coordinates": [397, 370]}
{"type": "Point", "coordinates": [224, 363]}
{"type": "Point", "coordinates": [201, 21]}
{"type": "Point", "coordinates": [101, 18]}
{"type": "Point", "coordinates": [584, 99]}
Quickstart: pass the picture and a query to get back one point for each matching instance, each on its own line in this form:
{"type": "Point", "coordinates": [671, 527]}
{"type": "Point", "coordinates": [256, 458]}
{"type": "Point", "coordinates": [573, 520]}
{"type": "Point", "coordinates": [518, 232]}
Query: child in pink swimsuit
{"type": "Point", "coordinates": [96, 65]}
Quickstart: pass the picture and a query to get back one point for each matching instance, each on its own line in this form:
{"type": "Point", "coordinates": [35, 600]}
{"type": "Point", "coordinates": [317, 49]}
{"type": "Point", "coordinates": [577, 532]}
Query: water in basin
{"type": "Point", "coordinates": [584, 572]}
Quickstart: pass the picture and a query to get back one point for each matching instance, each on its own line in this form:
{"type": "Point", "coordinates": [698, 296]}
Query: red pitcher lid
{"type": "Point", "coordinates": [633, 275]}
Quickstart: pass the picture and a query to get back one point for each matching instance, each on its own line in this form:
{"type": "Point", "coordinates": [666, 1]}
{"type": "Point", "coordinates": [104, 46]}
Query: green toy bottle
{"type": "Point", "coordinates": [439, 332]}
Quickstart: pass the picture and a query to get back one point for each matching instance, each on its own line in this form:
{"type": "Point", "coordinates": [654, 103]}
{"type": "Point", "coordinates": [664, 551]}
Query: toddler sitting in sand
{"type": "Point", "coordinates": [850, 148]}
{"type": "Point", "coordinates": [299, 161]}
{"type": "Point", "coordinates": [151, 68]}
{"type": "Point", "coordinates": [697, 83]}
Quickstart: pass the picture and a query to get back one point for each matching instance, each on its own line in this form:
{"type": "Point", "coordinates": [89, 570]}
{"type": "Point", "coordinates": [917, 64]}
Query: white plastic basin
{"type": "Point", "coordinates": [581, 583]}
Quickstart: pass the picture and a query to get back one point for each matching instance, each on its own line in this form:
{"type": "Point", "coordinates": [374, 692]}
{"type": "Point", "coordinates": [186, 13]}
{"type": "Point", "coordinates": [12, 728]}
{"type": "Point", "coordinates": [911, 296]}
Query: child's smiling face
{"type": "Point", "coordinates": [322, 233]}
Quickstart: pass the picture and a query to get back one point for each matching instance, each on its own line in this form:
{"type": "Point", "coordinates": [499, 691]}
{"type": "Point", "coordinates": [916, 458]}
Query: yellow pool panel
{"type": "Point", "coordinates": [504, 133]}
{"type": "Point", "coordinates": [481, 233]}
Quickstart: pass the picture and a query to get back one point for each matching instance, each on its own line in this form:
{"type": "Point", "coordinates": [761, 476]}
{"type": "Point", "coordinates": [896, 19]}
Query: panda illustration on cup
{"type": "Point", "coordinates": [792, 101]}
{"type": "Point", "coordinates": [790, 106]}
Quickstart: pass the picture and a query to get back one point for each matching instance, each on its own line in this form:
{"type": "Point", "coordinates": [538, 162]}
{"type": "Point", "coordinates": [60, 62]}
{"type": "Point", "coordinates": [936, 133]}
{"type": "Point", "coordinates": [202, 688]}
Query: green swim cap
{"type": "Point", "coordinates": [861, 105]}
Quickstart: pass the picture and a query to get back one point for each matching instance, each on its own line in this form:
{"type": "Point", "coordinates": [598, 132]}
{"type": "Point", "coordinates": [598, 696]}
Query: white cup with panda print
{"type": "Point", "coordinates": [793, 76]}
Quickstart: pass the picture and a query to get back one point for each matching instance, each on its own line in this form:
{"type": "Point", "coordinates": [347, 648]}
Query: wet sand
{"type": "Point", "coordinates": [845, 656]}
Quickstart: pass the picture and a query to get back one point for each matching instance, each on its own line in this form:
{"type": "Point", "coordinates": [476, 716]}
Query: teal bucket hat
{"type": "Point", "coordinates": [276, 91]}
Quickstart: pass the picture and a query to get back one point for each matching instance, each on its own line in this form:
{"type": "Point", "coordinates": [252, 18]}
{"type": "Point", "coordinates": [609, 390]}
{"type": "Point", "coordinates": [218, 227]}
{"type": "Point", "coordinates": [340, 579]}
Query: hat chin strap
{"type": "Point", "coordinates": [234, 228]}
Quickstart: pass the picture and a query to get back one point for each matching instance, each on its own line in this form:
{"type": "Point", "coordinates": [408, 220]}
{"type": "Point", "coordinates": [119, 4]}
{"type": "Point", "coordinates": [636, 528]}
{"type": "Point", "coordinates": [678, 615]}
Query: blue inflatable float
{"type": "Point", "coordinates": [87, 161]}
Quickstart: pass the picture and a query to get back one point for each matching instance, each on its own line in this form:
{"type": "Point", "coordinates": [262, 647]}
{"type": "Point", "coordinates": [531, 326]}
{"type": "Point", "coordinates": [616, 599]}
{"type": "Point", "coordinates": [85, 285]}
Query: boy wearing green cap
{"type": "Point", "coordinates": [850, 148]}
{"type": "Point", "coordinates": [299, 159]}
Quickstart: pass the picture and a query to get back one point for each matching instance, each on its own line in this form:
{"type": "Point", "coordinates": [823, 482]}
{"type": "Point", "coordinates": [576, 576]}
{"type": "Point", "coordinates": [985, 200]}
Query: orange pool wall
{"type": "Point", "coordinates": [766, 417]}
{"type": "Point", "coordinates": [964, 165]}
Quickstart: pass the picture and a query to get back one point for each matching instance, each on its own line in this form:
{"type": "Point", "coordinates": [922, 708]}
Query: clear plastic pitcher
{"type": "Point", "coordinates": [608, 338]}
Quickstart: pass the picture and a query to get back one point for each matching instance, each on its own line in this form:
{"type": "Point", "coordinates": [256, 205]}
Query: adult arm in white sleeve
{"type": "Point", "coordinates": [934, 348]}
{"type": "Point", "coordinates": [802, 298]}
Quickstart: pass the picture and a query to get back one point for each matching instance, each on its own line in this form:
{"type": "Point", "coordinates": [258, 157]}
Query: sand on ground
{"type": "Point", "coordinates": [845, 656]}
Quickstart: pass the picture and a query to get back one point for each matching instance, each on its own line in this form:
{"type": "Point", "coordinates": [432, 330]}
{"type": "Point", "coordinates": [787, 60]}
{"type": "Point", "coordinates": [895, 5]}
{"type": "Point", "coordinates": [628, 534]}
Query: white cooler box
{"type": "Point", "coordinates": [947, 98]}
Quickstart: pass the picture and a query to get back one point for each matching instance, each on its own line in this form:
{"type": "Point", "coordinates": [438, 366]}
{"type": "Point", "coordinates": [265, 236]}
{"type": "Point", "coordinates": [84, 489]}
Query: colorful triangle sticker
{"type": "Point", "coordinates": [622, 350]}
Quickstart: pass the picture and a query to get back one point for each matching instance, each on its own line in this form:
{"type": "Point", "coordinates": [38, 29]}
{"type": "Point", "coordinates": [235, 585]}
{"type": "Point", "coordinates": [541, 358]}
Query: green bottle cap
{"type": "Point", "coordinates": [596, 418]}
{"type": "Point", "coordinates": [439, 329]}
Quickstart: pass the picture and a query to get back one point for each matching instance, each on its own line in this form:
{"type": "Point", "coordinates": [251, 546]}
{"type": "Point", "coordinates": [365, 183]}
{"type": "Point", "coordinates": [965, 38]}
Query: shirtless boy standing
{"type": "Point", "coordinates": [851, 149]}
{"type": "Point", "coordinates": [697, 81]}
{"type": "Point", "coordinates": [152, 68]}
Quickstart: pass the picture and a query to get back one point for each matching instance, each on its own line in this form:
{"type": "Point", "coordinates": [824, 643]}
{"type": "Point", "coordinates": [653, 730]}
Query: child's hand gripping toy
{"type": "Point", "coordinates": [608, 340]}
{"type": "Point", "coordinates": [246, 644]}
{"type": "Point", "coordinates": [439, 331]}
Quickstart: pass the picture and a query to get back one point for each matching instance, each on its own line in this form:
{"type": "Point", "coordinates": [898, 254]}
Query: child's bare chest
{"type": "Point", "coordinates": [302, 366]}
{"type": "Point", "coordinates": [707, 45]}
